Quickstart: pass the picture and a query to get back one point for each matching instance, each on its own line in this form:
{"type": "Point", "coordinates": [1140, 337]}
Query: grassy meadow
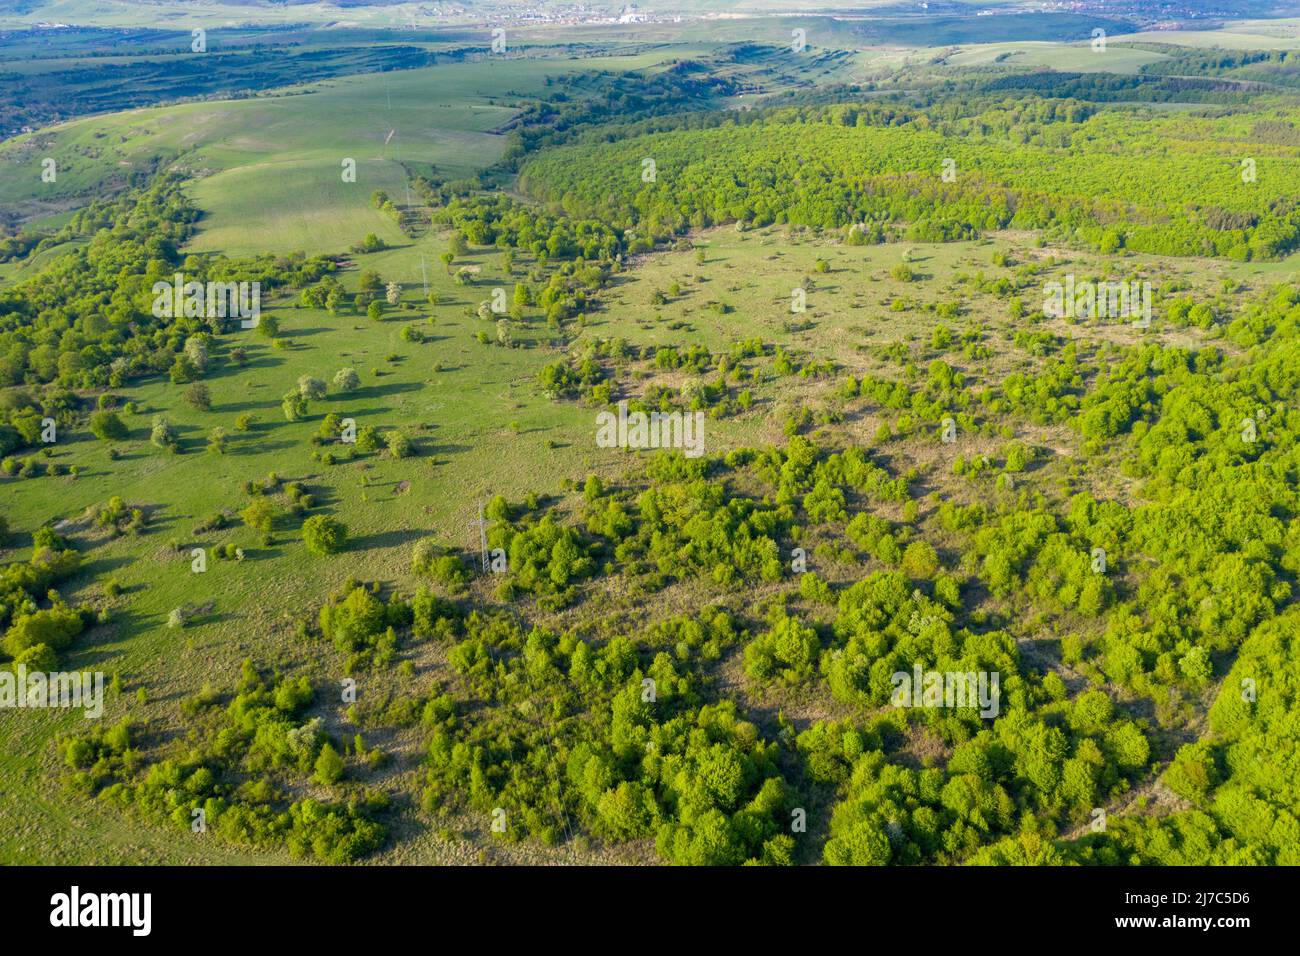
{"type": "Point", "coordinates": [268, 169]}
{"type": "Point", "coordinates": [481, 428]}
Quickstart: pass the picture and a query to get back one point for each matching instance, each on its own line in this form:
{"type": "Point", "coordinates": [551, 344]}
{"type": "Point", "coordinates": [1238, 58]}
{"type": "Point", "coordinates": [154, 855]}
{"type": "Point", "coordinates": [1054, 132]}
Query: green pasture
{"type": "Point", "coordinates": [1235, 35]}
{"type": "Point", "coordinates": [1067, 57]}
{"type": "Point", "coordinates": [481, 428]}
{"type": "Point", "coordinates": [268, 169]}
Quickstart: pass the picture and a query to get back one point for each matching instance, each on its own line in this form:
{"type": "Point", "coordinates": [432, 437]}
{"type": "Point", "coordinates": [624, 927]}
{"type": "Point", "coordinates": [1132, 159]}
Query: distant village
{"type": "Point", "coordinates": [551, 13]}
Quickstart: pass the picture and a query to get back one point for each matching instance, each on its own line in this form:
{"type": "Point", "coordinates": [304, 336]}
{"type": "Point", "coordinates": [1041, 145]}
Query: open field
{"type": "Point", "coordinates": [482, 428]}
{"type": "Point", "coordinates": [1234, 35]}
{"type": "Point", "coordinates": [269, 169]}
{"type": "Point", "coordinates": [1078, 57]}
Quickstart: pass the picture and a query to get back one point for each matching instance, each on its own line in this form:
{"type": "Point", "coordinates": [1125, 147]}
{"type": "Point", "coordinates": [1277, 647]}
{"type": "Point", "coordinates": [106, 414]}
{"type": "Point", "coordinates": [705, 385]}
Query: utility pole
{"type": "Point", "coordinates": [482, 537]}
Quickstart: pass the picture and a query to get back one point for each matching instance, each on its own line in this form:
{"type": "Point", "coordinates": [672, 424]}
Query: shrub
{"type": "Point", "coordinates": [329, 766]}
{"type": "Point", "coordinates": [440, 564]}
{"type": "Point", "coordinates": [399, 446]}
{"type": "Point", "coordinates": [197, 396]}
{"type": "Point", "coordinates": [324, 535]}
{"type": "Point", "coordinates": [347, 380]}
{"type": "Point", "coordinates": [294, 405]}
{"type": "Point", "coordinates": [163, 434]}
{"type": "Point", "coordinates": [260, 515]}
{"type": "Point", "coordinates": [106, 426]}
{"type": "Point", "coordinates": [54, 627]}
{"type": "Point", "coordinates": [311, 388]}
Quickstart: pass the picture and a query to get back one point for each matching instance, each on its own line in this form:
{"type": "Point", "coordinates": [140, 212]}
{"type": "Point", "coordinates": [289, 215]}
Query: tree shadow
{"type": "Point", "coordinates": [263, 553]}
{"type": "Point", "coordinates": [229, 367]}
{"type": "Point", "coordinates": [385, 539]}
{"type": "Point", "coordinates": [447, 449]}
{"type": "Point", "coordinates": [246, 406]}
{"type": "Point", "coordinates": [246, 448]}
{"type": "Point", "coordinates": [102, 565]}
{"type": "Point", "coordinates": [377, 391]}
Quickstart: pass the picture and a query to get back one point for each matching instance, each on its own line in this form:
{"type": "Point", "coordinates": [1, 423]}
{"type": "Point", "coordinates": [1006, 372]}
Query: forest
{"type": "Point", "coordinates": [1078, 174]}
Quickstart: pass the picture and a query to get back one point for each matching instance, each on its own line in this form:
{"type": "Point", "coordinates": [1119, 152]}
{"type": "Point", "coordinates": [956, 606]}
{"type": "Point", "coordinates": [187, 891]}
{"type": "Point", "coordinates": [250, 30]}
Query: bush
{"type": "Point", "coordinates": [55, 628]}
{"type": "Point", "coordinates": [163, 434]}
{"type": "Point", "coordinates": [311, 388]}
{"type": "Point", "coordinates": [260, 515]}
{"type": "Point", "coordinates": [294, 406]}
{"type": "Point", "coordinates": [106, 426]}
{"type": "Point", "coordinates": [440, 564]}
{"type": "Point", "coordinates": [329, 766]}
{"type": "Point", "coordinates": [347, 380]}
{"type": "Point", "coordinates": [197, 396]}
{"type": "Point", "coordinates": [399, 446]}
{"type": "Point", "coordinates": [324, 535]}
